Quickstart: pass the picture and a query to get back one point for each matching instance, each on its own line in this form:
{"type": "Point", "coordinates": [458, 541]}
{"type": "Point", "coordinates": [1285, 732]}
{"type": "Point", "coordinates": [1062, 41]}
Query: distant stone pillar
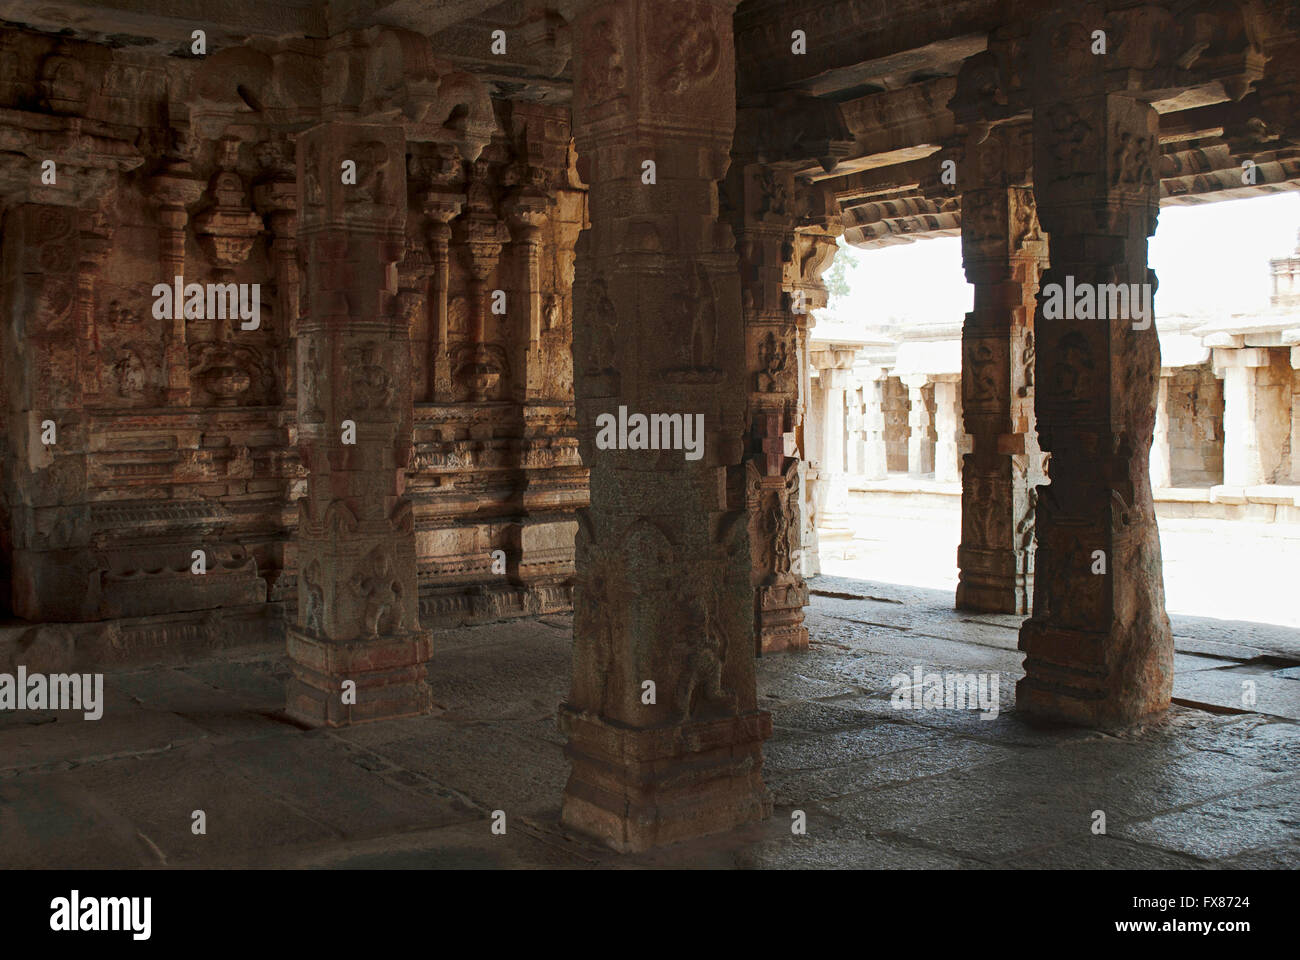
{"type": "Point", "coordinates": [1161, 471]}
{"type": "Point", "coordinates": [874, 461]}
{"type": "Point", "coordinates": [356, 646]}
{"type": "Point", "coordinates": [833, 425]}
{"type": "Point", "coordinates": [833, 521]}
{"type": "Point", "coordinates": [664, 732]}
{"type": "Point", "coordinates": [1003, 252]}
{"type": "Point", "coordinates": [1098, 647]}
{"type": "Point", "coordinates": [920, 442]}
{"type": "Point", "coordinates": [1295, 416]}
{"type": "Point", "coordinates": [946, 427]}
{"type": "Point", "coordinates": [1245, 457]}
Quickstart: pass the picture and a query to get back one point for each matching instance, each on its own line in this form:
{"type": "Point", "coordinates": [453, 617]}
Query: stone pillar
{"type": "Point", "coordinates": [1295, 415]}
{"type": "Point", "coordinates": [1003, 252]}
{"type": "Point", "coordinates": [277, 201]}
{"type": "Point", "coordinates": [946, 425]}
{"type": "Point", "coordinates": [1161, 474]}
{"type": "Point", "coordinates": [440, 205]}
{"type": "Point", "coordinates": [356, 646]}
{"type": "Point", "coordinates": [920, 442]}
{"type": "Point", "coordinates": [783, 251]}
{"type": "Point", "coordinates": [874, 463]}
{"type": "Point", "coordinates": [1252, 418]}
{"type": "Point", "coordinates": [664, 734]}
{"type": "Point", "coordinates": [174, 190]}
{"type": "Point", "coordinates": [1098, 647]}
{"type": "Point", "coordinates": [833, 521]}
{"type": "Point", "coordinates": [527, 212]}
{"type": "Point", "coordinates": [55, 572]}
{"type": "Point", "coordinates": [833, 429]}
{"type": "Point", "coordinates": [853, 424]}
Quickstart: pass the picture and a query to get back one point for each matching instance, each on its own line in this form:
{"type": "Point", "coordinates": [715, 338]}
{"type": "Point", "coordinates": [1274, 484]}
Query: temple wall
{"type": "Point", "coordinates": [180, 434]}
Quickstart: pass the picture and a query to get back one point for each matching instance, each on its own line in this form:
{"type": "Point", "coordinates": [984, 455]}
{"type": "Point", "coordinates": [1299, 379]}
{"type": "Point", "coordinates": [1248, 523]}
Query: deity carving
{"type": "Point", "coordinates": [380, 591]}
{"type": "Point", "coordinates": [774, 359]}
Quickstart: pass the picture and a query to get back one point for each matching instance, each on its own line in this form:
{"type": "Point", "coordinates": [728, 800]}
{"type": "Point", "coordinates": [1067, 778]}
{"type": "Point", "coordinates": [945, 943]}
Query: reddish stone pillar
{"type": "Point", "coordinates": [1098, 646]}
{"type": "Point", "coordinates": [356, 646]}
{"type": "Point", "coordinates": [664, 732]}
{"type": "Point", "coordinates": [1003, 251]}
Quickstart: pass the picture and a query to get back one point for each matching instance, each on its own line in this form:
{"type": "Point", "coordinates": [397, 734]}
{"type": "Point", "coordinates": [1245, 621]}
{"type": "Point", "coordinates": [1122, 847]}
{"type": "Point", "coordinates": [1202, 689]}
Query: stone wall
{"type": "Point", "coordinates": [178, 433]}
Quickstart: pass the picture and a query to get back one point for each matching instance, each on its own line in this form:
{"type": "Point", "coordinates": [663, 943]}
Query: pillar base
{"type": "Point", "coordinates": [1066, 681]}
{"type": "Point", "coordinates": [637, 789]}
{"type": "Point", "coordinates": [389, 673]}
{"type": "Point", "coordinates": [780, 617]}
{"type": "Point", "coordinates": [988, 582]}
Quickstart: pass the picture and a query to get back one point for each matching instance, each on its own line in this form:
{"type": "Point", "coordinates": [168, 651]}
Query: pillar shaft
{"type": "Point", "coordinates": [1003, 251]}
{"type": "Point", "coordinates": [875, 463]}
{"type": "Point", "coordinates": [357, 619]}
{"type": "Point", "coordinates": [662, 721]}
{"type": "Point", "coordinates": [920, 442]}
{"type": "Point", "coordinates": [1098, 646]}
{"type": "Point", "coordinates": [1161, 469]}
{"type": "Point", "coordinates": [947, 428]}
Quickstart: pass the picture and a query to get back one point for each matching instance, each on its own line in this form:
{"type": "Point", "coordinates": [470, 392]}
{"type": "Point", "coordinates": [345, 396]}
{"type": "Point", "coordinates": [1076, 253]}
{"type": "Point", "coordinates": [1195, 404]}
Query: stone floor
{"type": "Point", "coordinates": [1197, 788]}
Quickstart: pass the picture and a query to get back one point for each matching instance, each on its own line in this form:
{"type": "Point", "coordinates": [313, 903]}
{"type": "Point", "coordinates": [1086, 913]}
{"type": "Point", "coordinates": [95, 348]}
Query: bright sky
{"type": "Point", "coordinates": [1210, 259]}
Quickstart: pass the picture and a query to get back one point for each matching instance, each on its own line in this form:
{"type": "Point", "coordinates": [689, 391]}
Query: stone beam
{"type": "Point", "coordinates": [854, 43]}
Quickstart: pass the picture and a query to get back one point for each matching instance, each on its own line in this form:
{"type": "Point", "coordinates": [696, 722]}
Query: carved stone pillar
{"type": "Point", "coordinates": [874, 466]}
{"type": "Point", "coordinates": [920, 442]}
{"type": "Point", "coordinates": [1248, 456]}
{"type": "Point", "coordinates": [440, 206]}
{"type": "Point", "coordinates": [527, 212]}
{"type": "Point", "coordinates": [356, 645]}
{"type": "Point", "coordinates": [1161, 474]}
{"type": "Point", "coordinates": [834, 364]}
{"type": "Point", "coordinates": [1004, 252]}
{"type": "Point", "coordinates": [479, 365]}
{"type": "Point", "coordinates": [277, 201]}
{"type": "Point", "coordinates": [946, 428]}
{"type": "Point", "coordinates": [1295, 415]}
{"type": "Point", "coordinates": [174, 190]}
{"type": "Point", "coordinates": [664, 732]}
{"type": "Point", "coordinates": [1098, 646]}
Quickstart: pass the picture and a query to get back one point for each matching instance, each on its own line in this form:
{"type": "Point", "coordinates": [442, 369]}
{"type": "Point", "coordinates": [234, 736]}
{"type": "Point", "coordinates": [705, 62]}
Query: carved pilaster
{"type": "Point", "coordinates": [175, 190]}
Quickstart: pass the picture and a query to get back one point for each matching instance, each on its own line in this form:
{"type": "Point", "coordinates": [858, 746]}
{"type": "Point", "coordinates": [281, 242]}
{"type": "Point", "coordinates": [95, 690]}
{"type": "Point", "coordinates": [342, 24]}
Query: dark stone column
{"type": "Point", "coordinates": [357, 617]}
{"type": "Point", "coordinates": [1098, 646]}
{"type": "Point", "coordinates": [664, 732]}
{"type": "Point", "coordinates": [1003, 252]}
